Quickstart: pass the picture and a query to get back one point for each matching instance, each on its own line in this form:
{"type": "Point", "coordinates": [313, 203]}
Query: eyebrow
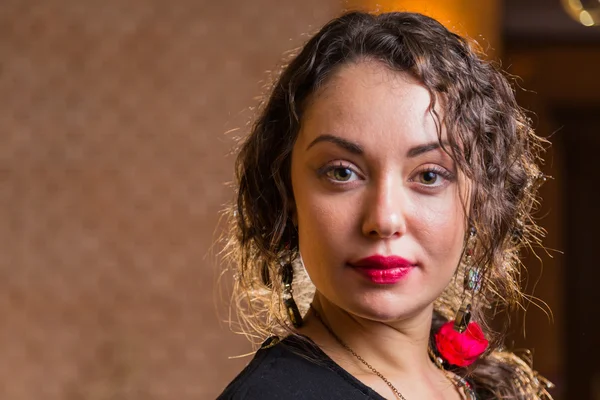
{"type": "Point", "coordinates": [355, 148]}
{"type": "Point", "coordinates": [424, 148]}
{"type": "Point", "coordinates": [341, 142]}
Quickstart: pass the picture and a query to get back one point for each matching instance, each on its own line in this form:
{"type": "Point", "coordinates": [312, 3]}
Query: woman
{"type": "Point", "coordinates": [392, 166]}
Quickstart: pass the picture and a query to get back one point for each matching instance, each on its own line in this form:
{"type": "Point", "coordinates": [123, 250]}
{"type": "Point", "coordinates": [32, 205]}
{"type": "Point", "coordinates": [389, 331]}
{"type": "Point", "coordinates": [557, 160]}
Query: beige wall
{"type": "Point", "coordinates": [112, 171]}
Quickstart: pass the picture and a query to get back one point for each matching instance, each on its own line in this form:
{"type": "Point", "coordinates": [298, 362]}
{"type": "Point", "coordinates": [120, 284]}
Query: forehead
{"type": "Point", "coordinates": [364, 75]}
{"type": "Point", "coordinates": [367, 98]}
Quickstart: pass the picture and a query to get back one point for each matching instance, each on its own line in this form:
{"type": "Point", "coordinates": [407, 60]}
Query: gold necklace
{"type": "Point", "coordinates": [458, 381]}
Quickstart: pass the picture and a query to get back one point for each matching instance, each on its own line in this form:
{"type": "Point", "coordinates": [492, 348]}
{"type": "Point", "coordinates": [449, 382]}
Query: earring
{"type": "Point", "coordinates": [471, 284]}
{"type": "Point", "coordinates": [287, 277]}
{"type": "Point", "coordinates": [460, 342]}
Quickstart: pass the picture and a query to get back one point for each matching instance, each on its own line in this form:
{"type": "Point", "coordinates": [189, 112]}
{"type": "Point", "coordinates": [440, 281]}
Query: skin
{"type": "Point", "coordinates": [384, 199]}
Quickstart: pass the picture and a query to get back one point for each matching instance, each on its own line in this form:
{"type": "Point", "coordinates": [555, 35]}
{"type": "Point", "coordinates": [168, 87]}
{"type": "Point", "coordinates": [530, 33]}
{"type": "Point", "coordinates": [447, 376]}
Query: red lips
{"type": "Point", "coordinates": [383, 270]}
{"type": "Point", "coordinates": [382, 262]}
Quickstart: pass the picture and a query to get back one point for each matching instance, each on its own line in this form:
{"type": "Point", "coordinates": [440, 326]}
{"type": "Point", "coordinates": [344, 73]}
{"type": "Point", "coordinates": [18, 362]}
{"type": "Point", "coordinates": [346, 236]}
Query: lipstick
{"type": "Point", "coordinates": [383, 270]}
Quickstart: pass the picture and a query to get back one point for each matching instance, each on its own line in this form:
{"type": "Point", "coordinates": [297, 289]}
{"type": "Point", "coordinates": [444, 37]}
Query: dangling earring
{"type": "Point", "coordinates": [460, 342]}
{"type": "Point", "coordinates": [287, 277]}
{"type": "Point", "coordinates": [471, 284]}
{"type": "Point", "coordinates": [288, 299]}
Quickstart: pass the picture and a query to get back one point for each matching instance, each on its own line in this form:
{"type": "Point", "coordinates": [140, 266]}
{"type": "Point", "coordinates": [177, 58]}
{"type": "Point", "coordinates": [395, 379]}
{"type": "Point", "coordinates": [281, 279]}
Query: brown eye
{"type": "Point", "coordinates": [428, 177]}
{"type": "Point", "coordinates": [340, 174]}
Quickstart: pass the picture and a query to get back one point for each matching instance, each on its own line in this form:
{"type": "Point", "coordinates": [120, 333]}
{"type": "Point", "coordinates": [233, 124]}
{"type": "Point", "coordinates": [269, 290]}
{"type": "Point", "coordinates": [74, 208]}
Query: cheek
{"type": "Point", "coordinates": [439, 227]}
{"type": "Point", "coordinates": [323, 221]}
{"type": "Point", "coordinates": [326, 222]}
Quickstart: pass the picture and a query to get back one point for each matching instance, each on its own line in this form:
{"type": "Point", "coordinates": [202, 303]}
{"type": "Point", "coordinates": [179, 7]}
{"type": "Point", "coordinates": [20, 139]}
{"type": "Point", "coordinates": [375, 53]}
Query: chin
{"type": "Point", "coordinates": [385, 307]}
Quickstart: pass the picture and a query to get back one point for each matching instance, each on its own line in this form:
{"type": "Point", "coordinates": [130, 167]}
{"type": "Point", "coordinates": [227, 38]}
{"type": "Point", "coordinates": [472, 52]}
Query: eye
{"type": "Point", "coordinates": [433, 177]}
{"type": "Point", "coordinates": [428, 177]}
{"type": "Point", "coordinates": [340, 174]}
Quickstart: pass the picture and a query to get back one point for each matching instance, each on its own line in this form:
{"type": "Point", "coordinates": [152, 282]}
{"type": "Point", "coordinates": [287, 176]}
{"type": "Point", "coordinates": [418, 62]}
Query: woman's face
{"type": "Point", "coordinates": [370, 182]}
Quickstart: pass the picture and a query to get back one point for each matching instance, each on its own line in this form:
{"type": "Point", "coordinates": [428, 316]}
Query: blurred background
{"type": "Point", "coordinates": [117, 121]}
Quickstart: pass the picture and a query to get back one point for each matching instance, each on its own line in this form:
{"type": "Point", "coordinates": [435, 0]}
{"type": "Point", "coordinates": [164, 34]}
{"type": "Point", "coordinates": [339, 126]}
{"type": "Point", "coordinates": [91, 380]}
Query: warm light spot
{"type": "Point", "coordinates": [587, 15]}
{"type": "Point", "coordinates": [575, 5]}
{"type": "Point", "coordinates": [586, 19]}
{"type": "Point", "coordinates": [444, 11]}
{"type": "Point", "coordinates": [477, 19]}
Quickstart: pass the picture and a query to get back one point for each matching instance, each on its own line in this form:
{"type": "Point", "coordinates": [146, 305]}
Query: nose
{"type": "Point", "coordinates": [385, 211]}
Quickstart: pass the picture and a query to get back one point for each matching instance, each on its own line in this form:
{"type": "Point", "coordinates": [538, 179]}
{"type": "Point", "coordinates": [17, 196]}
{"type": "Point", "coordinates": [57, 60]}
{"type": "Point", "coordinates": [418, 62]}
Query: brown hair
{"type": "Point", "coordinates": [489, 138]}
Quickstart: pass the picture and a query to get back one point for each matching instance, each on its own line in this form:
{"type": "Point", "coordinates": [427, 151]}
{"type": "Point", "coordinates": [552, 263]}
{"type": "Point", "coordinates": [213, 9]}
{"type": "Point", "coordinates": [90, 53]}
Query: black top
{"type": "Point", "coordinates": [293, 369]}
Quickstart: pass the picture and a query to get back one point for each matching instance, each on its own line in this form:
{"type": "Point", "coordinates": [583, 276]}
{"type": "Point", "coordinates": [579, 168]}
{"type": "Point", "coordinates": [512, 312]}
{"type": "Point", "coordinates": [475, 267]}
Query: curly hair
{"type": "Point", "coordinates": [489, 138]}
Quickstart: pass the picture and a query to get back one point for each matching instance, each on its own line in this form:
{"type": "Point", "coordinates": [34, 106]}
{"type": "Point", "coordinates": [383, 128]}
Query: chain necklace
{"type": "Point", "coordinates": [457, 381]}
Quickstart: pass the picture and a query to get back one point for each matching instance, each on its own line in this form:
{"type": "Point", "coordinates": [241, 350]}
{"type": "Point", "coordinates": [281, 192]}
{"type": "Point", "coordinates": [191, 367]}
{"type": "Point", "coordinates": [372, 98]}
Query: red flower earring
{"type": "Point", "coordinates": [460, 342]}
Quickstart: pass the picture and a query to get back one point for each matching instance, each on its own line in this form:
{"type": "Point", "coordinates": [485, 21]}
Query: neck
{"type": "Point", "coordinates": [399, 347]}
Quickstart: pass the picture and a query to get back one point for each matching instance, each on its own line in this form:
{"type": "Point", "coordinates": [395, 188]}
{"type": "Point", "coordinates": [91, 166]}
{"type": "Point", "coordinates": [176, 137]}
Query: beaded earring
{"type": "Point", "coordinates": [287, 277]}
{"type": "Point", "coordinates": [460, 342]}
